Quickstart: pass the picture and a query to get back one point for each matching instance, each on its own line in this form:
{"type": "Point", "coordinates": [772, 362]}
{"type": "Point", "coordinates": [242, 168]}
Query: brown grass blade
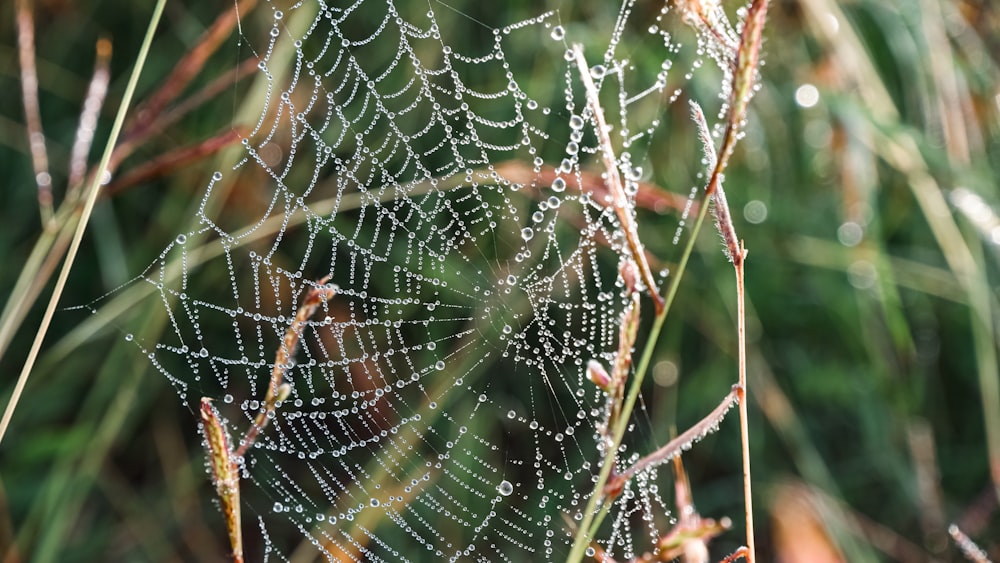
{"type": "Point", "coordinates": [147, 114]}
{"type": "Point", "coordinates": [168, 162]}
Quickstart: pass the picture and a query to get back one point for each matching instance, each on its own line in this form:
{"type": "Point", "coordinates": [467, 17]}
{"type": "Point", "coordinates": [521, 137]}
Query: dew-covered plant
{"type": "Point", "coordinates": [460, 379]}
{"type": "Point", "coordinates": [610, 482]}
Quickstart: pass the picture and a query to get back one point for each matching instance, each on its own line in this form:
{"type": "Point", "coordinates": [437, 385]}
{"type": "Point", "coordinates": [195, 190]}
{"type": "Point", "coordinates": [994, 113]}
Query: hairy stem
{"type": "Point", "coordinates": [618, 198]}
{"type": "Point", "coordinates": [675, 447]}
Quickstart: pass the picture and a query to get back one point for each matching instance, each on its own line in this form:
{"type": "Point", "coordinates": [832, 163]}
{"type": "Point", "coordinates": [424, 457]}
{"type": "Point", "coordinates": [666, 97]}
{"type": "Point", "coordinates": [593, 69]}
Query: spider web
{"type": "Point", "coordinates": [439, 406]}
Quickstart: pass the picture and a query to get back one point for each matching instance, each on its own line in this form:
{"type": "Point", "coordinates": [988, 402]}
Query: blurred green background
{"type": "Point", "coordinates": [865, 190]}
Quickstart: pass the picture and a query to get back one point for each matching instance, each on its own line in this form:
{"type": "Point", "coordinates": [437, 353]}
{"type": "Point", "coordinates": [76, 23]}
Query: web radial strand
{"type": "Point", "coordinates": [438, 407]}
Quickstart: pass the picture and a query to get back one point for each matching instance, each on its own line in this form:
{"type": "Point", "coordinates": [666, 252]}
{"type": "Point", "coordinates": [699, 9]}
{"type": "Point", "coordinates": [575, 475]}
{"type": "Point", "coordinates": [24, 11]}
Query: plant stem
{"type": "Point", "coordinates": [619, 201]}
{"type": "Point", "coordinates": [32, 113]}
{"type": "Point", "coordinates": [95, 188]}
{"type": "Point", "coordinates": [738, 263]}
{"type": "Point", "coordinates": [590, 523]}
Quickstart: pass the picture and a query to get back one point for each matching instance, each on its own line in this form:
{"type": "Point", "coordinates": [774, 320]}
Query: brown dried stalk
{"type": "Point", "coordinates": [32, 114]}
{"type": "Point", "coordinates": [174, 160]}
{"type": "Point", "coordinates": [737, 255]}
{"type": "Point", "coordinates": [224, 461]}
{"type": "Point", "coordinates": [744, 78]}
{"type": "Point", "coordinates": [92, 104]}
{"type": "Point", "coordinates": [219, 85]}
{"type": "Point", "coordinates": [618, 198]}
{"type": "Point", "coordinates": [146, 121]}
{"type": "Point", "coordinates": [675, 447]}
{"type": "Point", "coordinates": [739, 258]}
{"type": "Point", "coordinates": [277, 389]}
{"type": "Point", "coordinates": [970, 550]}
{"type": "Point", "coordinates": [648, 196]}
{"type": "Point", "coordinates": [747, 61]}
{"type": "Point", "coordinates": [225, 474]}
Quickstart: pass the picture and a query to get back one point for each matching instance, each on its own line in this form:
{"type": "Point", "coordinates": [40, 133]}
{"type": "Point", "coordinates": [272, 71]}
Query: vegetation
{"type": "Point", "coordinates": [865, 190]}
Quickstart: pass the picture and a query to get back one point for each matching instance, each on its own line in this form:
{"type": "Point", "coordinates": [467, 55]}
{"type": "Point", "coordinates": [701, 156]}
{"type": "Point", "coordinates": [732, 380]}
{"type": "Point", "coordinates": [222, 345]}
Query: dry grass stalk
{"type": "Point", "coordinates": [174, 160]}
{"type": "Point", "coordinates": [149, 113]}
{"type": "Point", "coordinates": [225, 474]}
{"type": "Point", "coordinates": [32, 113]}
{"type": "Point", "coordinates": [277, 389]}
{"type": "Point", "coordinates": [92, 104]}
{"type": "Point", "coordinates": [739, 258]}
{"type": "Point", "coordinates": [970, 550]}
{"type": "Point", "coordinates": [678, 445]}
{"type": "Point", "coordinates": [648, 196]}
{"type": "Point", "coordinates": [744, 79]}
{"type": "Point", "coordinates": [218, 86]}
{"type": "Point", "coordinates": [223, 460]}
{"type": "Point", "coordinates": [619, 200]}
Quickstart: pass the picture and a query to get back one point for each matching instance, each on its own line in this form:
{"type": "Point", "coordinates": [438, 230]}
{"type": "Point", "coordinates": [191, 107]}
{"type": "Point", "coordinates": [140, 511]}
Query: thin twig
{"type": "Point", "coordinates": [32, 113]}
{"type": "Point", "coordinates": [673, 448]}
{"type": "Point", "coordinates": [173, 160]}
{"type": "Point", "coordinates": [277, 389]}
{"type": "Point", "coordinates": [92, 104]}
{"type": "Point", "coordinates": [969, 549]}
{"type": "Point", "coordinates": [81, 227]}
{"type": "Point", "coordinates": [619, 200]}
{"type": "Point", "coordinates": [744, 83]}
{"type": "Point", "coordinates": [739, 259]}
